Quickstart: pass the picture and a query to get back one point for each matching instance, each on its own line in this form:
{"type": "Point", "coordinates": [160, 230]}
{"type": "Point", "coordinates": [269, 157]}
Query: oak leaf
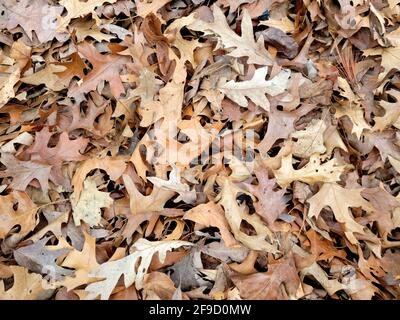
{"type": "Point", "coordinates": [40, 258]}
{"type": "Point", "coordinates": [27, 286]}
{"type": "Point", "coordinates": [38, 17]}
{"type": "Point", "coordinates": [314, 171]}
{"type": "Point", "coordinates": [270, 203]}
{"type": "Point", "coordinates": [87, 120]}
{"type": "Point", "coordinates": [235, 214]}
{"type": "Point", "coordinates": [284, 24]}
{"type": "Point", "coordinates": [281, 281]}
{"type": "Point", "coordinates": [77, 8]}
{"type": "Point", "coordinates": [23, 172]}
{"type": "Point", "coordinates": [83, 262]}
{"type": "Point", "coordinates": [146, 7]}
{"type": "Point", "coordinates": [340, 200]}
{"type": "Point", "coordinates": [47, 76]}
{"type": "Point", "coordinates": [392, 112]}
{"type": "Point", "coordinates": [158, 286]}
{"type": "Point", "coordinates": [17, 208]}
{"type": "Point", "coordinates": [143, 251]}
{"type": "Point", "coordinates": [65, 150]}
{"type": "Point", "coordinates": [281, 125]}
{"type": "Point", "coordinates": [390, 58]}
{"type": "Point", "coordinates": [211, 214]}
{"type": "Point", "coordinates": [186, 272]}
{"type": "Point", "coordinates": [310, 140]}
{"type": "Point", "coordinates": [105, 67]}
{"type": "Point", "coordinates": [244, 46]}
{"type": "Point", "coordinates": [256, 88]}
{"type": "Point", "coordinates": [88, 207]}
{"type": "Point", "coordinates": [174, 184]}
{"type": "Point", "coordinates": [114, 166]}
{"type": "Point", "coordinates": [356, 115]}
{"type": "Point", "coordinates": [11, 71]}
{"type": "Point", "coordinates": [152, 202]}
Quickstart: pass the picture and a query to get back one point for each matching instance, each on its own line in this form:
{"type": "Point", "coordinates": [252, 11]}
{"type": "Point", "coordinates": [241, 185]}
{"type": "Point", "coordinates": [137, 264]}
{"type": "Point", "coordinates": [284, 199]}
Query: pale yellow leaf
{"type": "Point", "coordinates": [88, 207]}
{"type": "Point", "coordinates": [311, 173]}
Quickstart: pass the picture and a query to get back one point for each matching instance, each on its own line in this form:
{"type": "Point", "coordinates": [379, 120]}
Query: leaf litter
{"type": "Point", "coordinates": [177, 149]}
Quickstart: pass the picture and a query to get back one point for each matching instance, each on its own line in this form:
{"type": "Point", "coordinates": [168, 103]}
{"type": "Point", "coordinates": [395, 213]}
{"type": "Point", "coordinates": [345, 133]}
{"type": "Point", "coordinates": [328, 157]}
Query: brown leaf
{"type": "Point", "coordinates": [17, 208]}
{"type": "Point", "coordinates": [211, 214]}
{"type": "Point", "coordinates": [284, 43]}
{"type": "Point", "coordinates": [38, 17]}
{"type": "Point", "coordinates": [280, 282]}
{"type": "Point", "coordinates": [23, 172]}
{"type": "Point", "coordinates": [105, 67]}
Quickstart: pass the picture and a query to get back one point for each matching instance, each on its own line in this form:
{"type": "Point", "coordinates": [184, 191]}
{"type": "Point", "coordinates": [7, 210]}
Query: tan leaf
{"type": "Point", "coordinates": [256, 88]}
{"type": "Point", "coordinates": [149, 6]}
{"type": "Point", "coordinates": [27, 286]}
{"type": "Point", "coordinates": [76, 9]}
{"type": "Point", "coordinates": [311, 173]}
{"type": "Point", "coordinates": [356, 115]}
{"type": "Point", "coordinates": [395, 163]}
{"type": "Point", "coordinates": [111, 271]}
{"type": "Point", "coordinates": [105, 67]}
{"type": "Point", "coordinates": [234, 4]}
{"type": "Point", "coordinates": [140, 203]}
{"type": "Point", "coordinates": [88, 207]}
{"type": "Point", "coordinates": [340, 200]}
{"type": "Point", "coordinates": [211, 214]}
{"type": "Point", "coordinates": [245, 46]}
{"type": "Point", "coordinates": [23, 215]}
{"type": "Point", "coordinates": [23, 172]}
{"type": "Point", "coordinates": [114, 166]}
{"type": "Point", "coordinates": [310, 140]}
{"type": "Point", "coordinates": [330, 285]}
{"type": "Point", "coordinates": [83, 262]}
{"type": "Point", "coordinates": [174, 184]}
{"type": "Point", "coordinates": [234, 214]}
{"type": "Point", "coordinates": [284, 24]}
{"type": "Point", "coordinates": [390, 58]}
{"type": "Point", "coordinates": [158, 285]}
{"type": "Point", "coordinates": [12, 71]}
{"type": "Point", "coordinates": [39, 17]}
{"type": "Point", "coordinates": [280, 282]}
{"type": "Point", "coordinates": [392, 112]}
{"type": "Point", "coordinates": [47, 76]}
{"type": "Point", "coordinates": [271, 203]}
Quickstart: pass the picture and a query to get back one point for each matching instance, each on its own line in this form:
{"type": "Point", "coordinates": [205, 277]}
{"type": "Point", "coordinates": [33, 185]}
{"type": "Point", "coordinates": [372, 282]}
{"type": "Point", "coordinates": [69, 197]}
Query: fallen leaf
{"type": "Point", "coordinates": [88, 207]}
{"type": "Point", "coordinates": [111, 271]}
{"type": "Point", "coordinates": [340, 200]}
{"type": "Point", "coordinates": [229, 39]}
{"type": "Point", "coordinates": [256, 88]}
{"type": "Point", "coordinates": [27, 286]}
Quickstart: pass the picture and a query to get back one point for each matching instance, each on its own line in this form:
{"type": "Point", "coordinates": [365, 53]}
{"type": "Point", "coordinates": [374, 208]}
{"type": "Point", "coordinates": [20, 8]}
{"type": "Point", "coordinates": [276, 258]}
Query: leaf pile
{"type": "Point", "coordinates": [177, 149]}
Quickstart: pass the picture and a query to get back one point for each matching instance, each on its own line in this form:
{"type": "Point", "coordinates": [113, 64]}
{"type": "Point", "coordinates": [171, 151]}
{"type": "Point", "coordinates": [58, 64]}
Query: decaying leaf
{"type": "Point", "coordinates": [105, 67]}
{"type": "Point", "coordinates": [229, 39]}
{"type": "Point", "coordinates": [280, 282]}
{"type": "Point", "coordinates": [211, 214]}
{"type": "Point", "coordinates": [27, 286]}
{"type": "Point", "coordinates": [256, 88]}
{"type": "Point", "coordinates": [174, 184]}
{"type": "Point", "coordinates": [17, 209]}
{"type": "Point", "coordinates": [88, 207]}
{"type": "Point", "coordinates": [111, 271]}
{"type": "Point", "coordinates": [310, 140]}
{"type": "Point", "coordinates": [40, 258]}
{"type": "Point", "coordinates": [38, 17]}
{"type": "Point", "coordinates": [202, 150]}
{"type": "Point", "coordinates": [235, 214]}
{"type": "Point", "coordinates": [311, 173]}
{"type": "Point", "coordinates": [340, 200]}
